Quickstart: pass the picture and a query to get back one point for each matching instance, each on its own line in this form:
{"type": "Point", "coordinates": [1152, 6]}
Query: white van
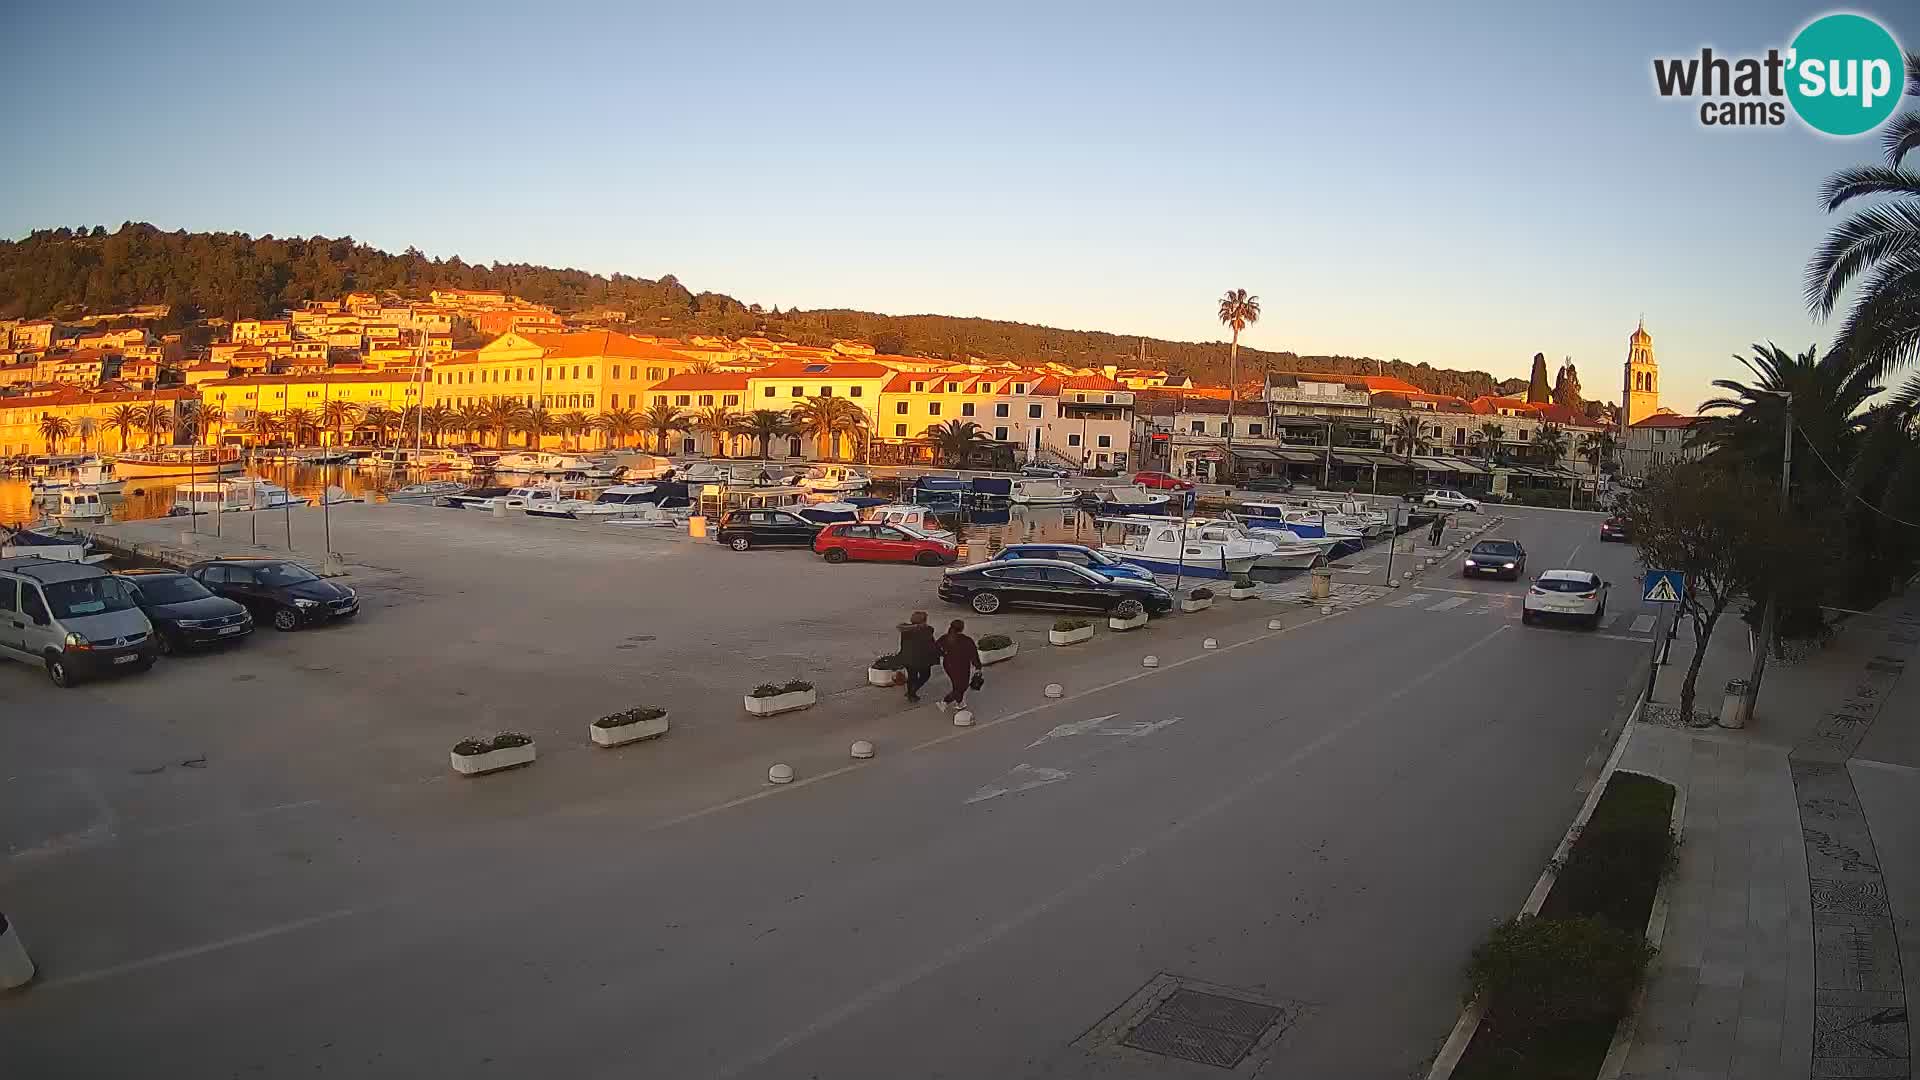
{"type": "Point", "coordinates": [74, 619]}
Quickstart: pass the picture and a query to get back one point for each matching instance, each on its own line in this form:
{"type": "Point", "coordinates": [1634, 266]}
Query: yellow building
{"type": "Point", "coordinates": [86, 415]}
{"type": "Point", "coordinates": [240, 398]}
{"type": "Point", "coordinates": [585, 371]}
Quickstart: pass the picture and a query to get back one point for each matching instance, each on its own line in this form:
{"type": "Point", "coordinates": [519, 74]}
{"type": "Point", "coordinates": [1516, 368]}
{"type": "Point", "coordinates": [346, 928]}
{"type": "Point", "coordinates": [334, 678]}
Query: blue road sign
{"type": "Point", "coordinates": [1664, 587]}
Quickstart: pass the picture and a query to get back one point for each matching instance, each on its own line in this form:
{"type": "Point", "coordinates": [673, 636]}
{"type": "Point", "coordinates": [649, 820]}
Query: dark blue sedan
{"type": "Point", "coordinates": [1078, 554]}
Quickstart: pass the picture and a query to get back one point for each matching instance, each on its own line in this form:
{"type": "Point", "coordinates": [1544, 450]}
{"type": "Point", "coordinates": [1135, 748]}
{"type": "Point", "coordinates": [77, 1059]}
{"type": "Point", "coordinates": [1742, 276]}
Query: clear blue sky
{"type": "Point", "coordinates": [1412, 180]}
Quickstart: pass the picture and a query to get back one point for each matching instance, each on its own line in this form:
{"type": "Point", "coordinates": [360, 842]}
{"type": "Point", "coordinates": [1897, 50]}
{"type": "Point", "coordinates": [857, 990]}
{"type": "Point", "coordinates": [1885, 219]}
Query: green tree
{"type": "Point", "coordinates": [502, 415]}
{"type": "Point", "coordinates": [1405, 438]}
{"type": "Point", "coordinates": [957, 441]}
{"type": "Point", "coordinates": [122, 419]}
{"type": "Point", "coordinates": [263, 426]}
{"type": "Point", "coordinates": [300, 425]}
{"type": "Point", "coordinates": [662, 420]}
{"type": "Point", "coordinates": [827, 419]}
{"type": "Point", "coordinates": [618, 425]}
{"type": "Point", "coordinates": [763, 426]}
{"type": "Point", "coordinates": [1487, 439]}
{"type": "Point", "coordinates": [54, 429]}
{"type": "Point", "coordinates": [212, 419]}
{"type": "Point", "coordinates": [156, 418]}
{"type": "Point", "coordinates": [536, 423]}
{"type": "Point", "coordinates": [336, 416]}
{"type": "Point", "coordinates": [1237, 311]}
{"type": "Point", "coordinates": [1550, 443]}
{"type": "Point", "coordinates": [716, 423]}
{"type": "Point", "coordinates": [1596, 447]}
{"type": "Point", "coordinates": [572, 425]}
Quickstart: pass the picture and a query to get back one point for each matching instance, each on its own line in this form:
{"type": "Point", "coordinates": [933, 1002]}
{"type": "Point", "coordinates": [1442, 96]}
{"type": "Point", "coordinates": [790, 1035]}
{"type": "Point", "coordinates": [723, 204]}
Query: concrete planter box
{"type": "Point", "coordinates": [623, 734]}
{"type": "Point", "coordinates": [994, 656]}
{"type": "Point", "coordinates": [779, 703]}
{"type": "Point", "coordinates": [1237, 593]}
{"type": "Point", "coordinates": [886, 676]}
{"type": "Point", "coordinates": [492, 760]}
{"type": "Point", "coordinates": [1071, 637]}
{"type": "Point", "coordinates": [1117, 623]}
{"type": "Point", "coordinates": [1190, 606]}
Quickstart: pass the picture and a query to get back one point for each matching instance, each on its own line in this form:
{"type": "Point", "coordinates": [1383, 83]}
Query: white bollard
{"type": "Point", "coordinates": [780, 774]}
{"type": "Point", "coordinates": [861, 750]}
{"type": "Point", "coordinates": [1210, 644]}
{"type": "Point", "coordinates": [1328, 610]}
{"type": "Point", "coordinates": [16, 967]}
{"type": "Point", "coordinates": [499, 509]}
{"type": "Point", "coordinates": [963, 718]}
{"type": "Point", "coordinates": [1406, 575]}
{"type": "Point", "coordinates": [1054, 690]}
{"type": "Point", "coordinates": [1393, 584]}
{"type": "Point", "coordinates": [1275, 624]}
{"type": "Point", "coordinates": [1149, 661]}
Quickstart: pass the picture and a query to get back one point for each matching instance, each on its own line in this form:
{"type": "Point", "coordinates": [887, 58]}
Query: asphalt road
{"type": "Point", "coordinates": [1327, 818]}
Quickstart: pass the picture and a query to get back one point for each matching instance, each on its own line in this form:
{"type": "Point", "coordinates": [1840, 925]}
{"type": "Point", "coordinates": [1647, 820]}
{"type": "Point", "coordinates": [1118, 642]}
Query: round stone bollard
{"type": "Point", "coordinates": [499, 509]}
{"type": "Point", "coordinates": [780, 774]}
{"type": "Point", "coordinates": [16, 967]}
{"type": "Point", "coordinates": [1275, 624]}
{"type": "Point", "coordinates": [1054, 690]}
{"type": "Point", "coordinates": [1210, 644]}
{"type": "Point", "coordinates": [861, 750]}
{"type": "Point", "coordinates": [963, 718]}
{"type": "Point", "coordinates": [1393, 584]}
{"type": "Point", "coordinates": [1149, 661]}
{"type": "Point", "coordinates": [1328, 610]}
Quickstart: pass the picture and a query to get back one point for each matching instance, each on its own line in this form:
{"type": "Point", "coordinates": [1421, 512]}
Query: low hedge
{"type": "Point", "coordinates": [482, 744]}
{"type": "Point", "coordinates": [793, 687]}
{"type": "Point", "coordinates": [992, 642]}
{"type": "Point", "coordinates": [641, 715]}
{"type": "Point", "coordinates": [1069, 625]}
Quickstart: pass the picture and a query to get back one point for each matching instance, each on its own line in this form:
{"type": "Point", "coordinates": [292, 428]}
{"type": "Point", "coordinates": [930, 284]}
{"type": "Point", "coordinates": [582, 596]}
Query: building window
{"type": "Point", "coordinates": [826, 391]}
{"type": "Point", "coordinates": [1103, 440]}
{"type": "Point", "coordinates": [630, 402]}
{"type": "Point", "coordinates": [919, 388]}
{"type": "Point", "coordinates": [589, 401]}
{"type": "Point", "coordinates": [1033, 412]}
{"type": "Point", "coordinates": [653, 373]}
{"type": "Point", "coordinates": [933, 408]}
{"type": "Point", "coordinates": [1109, 399]}
{"type": "Point", "coordinates": [682, 399]}
{"type": "Point", "coordinates": [616, 371]}
{"type": "Point", "coordinates": [659, 399]}
{"type": "Point", "coordinates": [900, 408]}
{"type": "Point", "coordinates": [966, 408]}
{"type": "Point", "coordinates": [799, 391]}
{"type": "Point", "coordinates": [1199, 427]}
{"type": "Point", "coordinates": [853, 391]}
{"type": "Point", "coordinates": [1019, 388]}
{"type": "Point", "coordinates": [1000, 409]}
{"type": "Point", "coordinates": [706, 399]}
{"type": "Point", "coordinates": [953, 388]}
{"type": "Point", "coordinates": [1253, 430]}
{"type": "Point", "coordinates": [576, 371]}
{"type": "Point", "coordinates": [1000, 434]}
{"type": "Point", "coordinates": [589, 371]}
{"type": "Point", "coordinates": [900, 430]}
{"type": "Point", "coordinates": [770, 392]}
{"type": "Point", "coordinates": [730, 399]}
{"type": "Point", "coordinates": [1073, 440]}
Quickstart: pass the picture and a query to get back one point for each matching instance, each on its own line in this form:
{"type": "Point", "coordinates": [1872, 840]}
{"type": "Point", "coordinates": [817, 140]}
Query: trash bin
{"type": "Point", "coordinates": [697, 526]}
{"type": "Point", "coordinates": [1322, 585]}
{"type": "Point", "coordinates": [1733, 707]}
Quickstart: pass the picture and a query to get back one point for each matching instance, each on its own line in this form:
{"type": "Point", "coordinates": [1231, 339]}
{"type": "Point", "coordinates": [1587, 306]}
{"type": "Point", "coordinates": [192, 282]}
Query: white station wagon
{"type": "Point", "coordinates": [1449, 499]}
{"type": "Point", "coordinates": [1566, 594]}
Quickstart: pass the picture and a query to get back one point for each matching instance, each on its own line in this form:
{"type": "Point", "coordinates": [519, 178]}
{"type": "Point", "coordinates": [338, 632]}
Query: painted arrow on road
{"type": "Point", "coordinates": [1022, 777]}
{"type": "Point", "coordinates": [1078, 727]}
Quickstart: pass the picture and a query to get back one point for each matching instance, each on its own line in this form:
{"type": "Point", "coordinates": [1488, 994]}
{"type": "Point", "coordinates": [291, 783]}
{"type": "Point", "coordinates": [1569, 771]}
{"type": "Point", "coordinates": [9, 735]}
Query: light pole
{"type": "Point", "coordinates": [1771, 611]}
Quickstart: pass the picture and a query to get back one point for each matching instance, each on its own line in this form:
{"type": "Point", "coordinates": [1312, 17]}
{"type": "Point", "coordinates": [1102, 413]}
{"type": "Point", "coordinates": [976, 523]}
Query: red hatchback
{"type": "Point", "coordinates": [874, 542]}
{"type": "Point", "coordinates": [1164, 481]}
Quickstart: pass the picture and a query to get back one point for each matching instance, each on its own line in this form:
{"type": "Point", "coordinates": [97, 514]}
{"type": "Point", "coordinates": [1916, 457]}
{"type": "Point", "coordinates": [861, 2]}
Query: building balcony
{"type": "Point", "coordinates": [1293, 395]}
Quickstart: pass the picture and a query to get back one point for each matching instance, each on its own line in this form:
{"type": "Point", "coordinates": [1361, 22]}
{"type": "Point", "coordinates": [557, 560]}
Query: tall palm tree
{"type": "Point", "coordinates": [957, 440]}
{"type": "Point", "coordinates": [53, 429]}
{"type": "Point", "coordinates": [85, 429]}
{"type": "Point", "coordinates": [381, 419]}
{"type": "Point", "coordinates": [298, 424]}
{"type": "Point", "coordinates": [469, 421]}
{"type": "Point", "coordinates": [212, 418]}
{"type": "Point", "coordinates": [715, 422]}
{"type": "Point", "coordinates": [1550, 442]}
{"type": "Point", "coordinates": [156, 418]}
{"type": "Point", "coordinates": [502, 415]}
{"type": "Point", "coordinates": [124, 418]}
{"type": "Point", "coordinates": [1488, 437]}
{"type": "Point", "coordinates": [617, 425]}
{"type": "Point", "coordinates": [187, 419]}
{"type": "Point", "coordinates": [1596, 446]}
{"type": "Point", "coordinates": [826, 419]}
{"type": "Point", "coordinates": [337, 415]}
{"type": "Point", "coordinates": [1879, 248]}
{"type": "Point", "coordinates": [263, 426]}
{"type": "Point", "coordinates": [1404, 437]}
{"type": "Point", "coordinates": [536, 423]}
{"type": "Point", "coordinates": [1238, 311]}
{"type": "Point", "coordinates": [436, 421]}
{"type": "Point", "coordinates": [663, 420]}
{"type": "Point", "coordinates": [763, 426]}
{"type": "Point", "coordinates": [1830, 395]}
{"type": "Point", "coordinates": [573, 425]}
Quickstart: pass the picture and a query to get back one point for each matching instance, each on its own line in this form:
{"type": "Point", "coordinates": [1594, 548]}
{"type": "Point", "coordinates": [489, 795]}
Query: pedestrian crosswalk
{"type": "Point", "coordinates": [1506, 606]}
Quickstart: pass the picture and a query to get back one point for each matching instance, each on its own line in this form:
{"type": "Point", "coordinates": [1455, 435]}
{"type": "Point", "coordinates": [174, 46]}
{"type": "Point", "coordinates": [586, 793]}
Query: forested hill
{"type": "Point", "coordinates": [66, 272]}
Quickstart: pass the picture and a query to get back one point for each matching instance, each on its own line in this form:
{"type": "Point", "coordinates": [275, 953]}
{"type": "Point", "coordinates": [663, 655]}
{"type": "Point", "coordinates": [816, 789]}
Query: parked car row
{"type": "Point", "coordinates": [79, 621]}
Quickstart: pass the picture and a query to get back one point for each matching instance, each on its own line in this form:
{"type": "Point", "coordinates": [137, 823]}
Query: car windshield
{"type": "Point", "coordinates": [1566, 585]}
{"type": "Point", "coordinates": [170, 589]}
{"type": "Point", "coordinates": [92, 596]}
{"type": "Point", "coordinates": [281, 573]}
{"type": "Point", "coordinates": [1103, 558]}
{"type": "Point", "coordinates": [912, 533]}
{"type": "Point", "coordinates": [1501, 548]}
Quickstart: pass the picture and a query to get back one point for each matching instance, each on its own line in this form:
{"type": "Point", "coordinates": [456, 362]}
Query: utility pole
{"type": "Point", "coordinates": [1771, 612]}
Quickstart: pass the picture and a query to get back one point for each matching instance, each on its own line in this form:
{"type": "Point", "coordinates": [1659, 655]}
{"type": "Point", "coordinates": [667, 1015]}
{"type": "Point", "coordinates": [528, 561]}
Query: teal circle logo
{"type": "Point", "coordinates": [1845, 74]}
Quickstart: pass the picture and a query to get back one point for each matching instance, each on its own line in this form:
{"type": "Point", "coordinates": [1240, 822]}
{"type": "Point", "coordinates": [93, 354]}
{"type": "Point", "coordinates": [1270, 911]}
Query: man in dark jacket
{"type": "Point", "coordinates": [1438, 530]}
{"type": "Point", "coordinates": [918, 653]}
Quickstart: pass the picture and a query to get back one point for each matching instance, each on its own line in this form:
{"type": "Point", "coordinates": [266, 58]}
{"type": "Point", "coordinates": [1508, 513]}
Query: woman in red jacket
{"type": "Point", "coordinates": [961, 658]}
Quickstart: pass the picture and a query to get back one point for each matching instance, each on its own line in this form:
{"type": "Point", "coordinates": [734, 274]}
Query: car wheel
{"type": "Point", "coordinates": [739, 543]}
{"type": "Point", "coordinates": [1526, 617]}
{"type": "Point", "coordinates": [1431, 505]}
{"type": "Point", "coordinates": [986, 603]}
{"type": "Point", "coordinates": [834, 555]}
{"type": "Point", "coordinates": [285, 619]}
{"type": "Point", "coordinates": [59, 674]}
{"type": "Point", "coordinates": [1127, 609]}
{"type": "Point", "coordinates": [1471, 508]}
{"type": "Point", "coordinates": [929, 558]}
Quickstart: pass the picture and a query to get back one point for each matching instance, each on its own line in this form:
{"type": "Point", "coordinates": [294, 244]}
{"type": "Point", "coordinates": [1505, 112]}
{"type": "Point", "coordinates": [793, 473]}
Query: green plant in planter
{"type": "Point", "coordinates": [889, 662]}
{"type": "Point", "coordinates": [506, 740]}
{"type": "Point", "coordinates": [1243, 581]}
{"type": "Point", "coordinates": [1537, 974]}
{"type": "Point", "coordinates": [1202, 593]}
{"type": "Point", "coordinates": [1067, 625]}
{"type": "Point", "coordinates": [632, 716]}
{"type": "Point", "coordinates": [765, 689]}
{"type": "Point", "coordinates": [993, 641]}
{"type": "Point", "coordinates": [796, 686]}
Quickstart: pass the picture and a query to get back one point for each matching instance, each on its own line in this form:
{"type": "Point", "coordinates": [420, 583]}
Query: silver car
{"type": "Point", "coordinates": [75, 619]}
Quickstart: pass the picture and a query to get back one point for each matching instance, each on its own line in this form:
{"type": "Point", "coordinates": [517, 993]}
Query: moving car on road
{"type": "Point", "coordinates": [1615, 528]}
{"type": "Point", "coordinates": [185, 614]}
{"type": "Point", "coordinates": [74, 619]}
{"type": "Point", "coordinates": [1079, 555]}
{"type": "Point", "coordinates": [1162, 481]}
{"type": "Point", "coordinates": [284, 593]}
{"type": "Point", "coordinates": [1042, 583]}
{"type": "Point", "coordinates": [1267, 483]}
{"type": "Point", "coordinates": [871, 541]}
{"type": "Point", "coordinates": [1449, 499]}
{"type": "Point", "coordinates": [743, 529]}
{"type": "Point", "coordinates": [1495, 558]}
{"type": "Point", "coordinates": [1566, 594]}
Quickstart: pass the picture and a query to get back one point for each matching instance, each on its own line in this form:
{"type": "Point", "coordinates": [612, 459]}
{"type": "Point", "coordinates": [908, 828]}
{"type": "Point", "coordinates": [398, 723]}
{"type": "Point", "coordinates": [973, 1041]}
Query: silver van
{"type": "Point", "coordinates": [76, 620]}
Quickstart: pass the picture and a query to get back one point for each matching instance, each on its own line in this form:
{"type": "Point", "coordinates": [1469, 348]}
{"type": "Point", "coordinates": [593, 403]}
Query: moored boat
{"type": "Point", "coordinates": [1168, 546]}
{"type": "Point", "coordinates": [80, 505]}
{"type": "Point", "coordinates": [921, 518]}
{"type": "Point", "coordinates": [426, 492]}
{"type": "Point", "coordinates": [236, 494]}
{"type": "Point", "coordinates": [836, 479]}
{"type": "Point", "coordinates": [178, 461]}
{"type": "Point", "coordinates": [1042, 492]}
{"type": "Point", "coordinates": [48, 542]}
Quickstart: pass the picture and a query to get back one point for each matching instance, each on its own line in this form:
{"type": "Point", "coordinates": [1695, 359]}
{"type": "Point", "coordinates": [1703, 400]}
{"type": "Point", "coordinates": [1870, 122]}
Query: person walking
{"type": "Point", "coordinates": [918, 653]}
{"type": "Point", "coordinates": [961, 657]}
{"type": "Point", "coordinates": [1439, 529]}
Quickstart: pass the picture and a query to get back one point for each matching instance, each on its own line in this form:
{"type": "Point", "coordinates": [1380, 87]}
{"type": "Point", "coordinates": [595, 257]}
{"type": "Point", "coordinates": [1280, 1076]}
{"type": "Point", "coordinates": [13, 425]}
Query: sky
{"type": "Point", "coordinates": [1464, 185]}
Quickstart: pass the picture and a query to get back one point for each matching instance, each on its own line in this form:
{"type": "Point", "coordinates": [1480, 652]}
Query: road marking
{"type": "Point", "coordinates": [1574, 552]}
{"type": "Point", "coordinates": [1607, 623]}
{"type": "Point", "coordinates": [1411, 600]}
{"type": "Point", "coordinates": [1448, 604]}
{"type": "Point", "coordinates": [1619, 637]}
{"type": "Point", "coordinates": [1021, 777]}
{"type": "Point", "coordinates": [1642, 624]}
{"type": "Point", "coordinates": [1075, 728]}
{"type": "Point", "coordinates": [201, 950]}
{"type": "Point", "coordinates": [1140, 728]}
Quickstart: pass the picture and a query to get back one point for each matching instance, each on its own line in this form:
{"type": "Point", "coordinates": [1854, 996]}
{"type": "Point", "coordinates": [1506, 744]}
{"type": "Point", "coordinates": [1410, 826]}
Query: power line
{"type": "Point", "coordinates": [1855, 496]}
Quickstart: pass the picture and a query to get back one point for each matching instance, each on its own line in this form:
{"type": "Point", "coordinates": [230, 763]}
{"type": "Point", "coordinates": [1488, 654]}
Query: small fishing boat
{"type": "Point", "coordinates": [542, 461]}
{"type": "Point", "coordinates": [836, 479]}
{"type": "Point", "coordinates": [536, 496]}
{"type": "Point", "coordinates": [831, 513]}
{"type": "Point", "coordinates": [48, 542]}
{"type": "Point", "coordinates": [427, 492]}
{"type": "Point", "coordinates": [1125, 499]}
{"type": "Point", "coordinates": [620, 500]}
{"type": "Point", "coordinates": [922, 518]}
{"type": "Point", "coordinates": [647, 516]}
{"type": "Point", "coordinates": [1290, 552]}
{"type": "Point", "coordinates": [472, 496]}
{"type": "Point", "coordinates": [178, 461]}
{"type": "Point", "coordinates": [1164, 546]}
{"type": "Point", "coordinates": [239, 493]}
{"type": "Point", "coordinates": [92, 475]}
{"type": "Point", "coordinates": [80, 505]}
{"type": "Point", "coordinates": [1043, 492]}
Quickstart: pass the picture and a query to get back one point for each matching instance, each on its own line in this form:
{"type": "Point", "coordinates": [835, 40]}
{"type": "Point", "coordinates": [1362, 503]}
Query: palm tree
{"type": "Point", "coordinates": [188, 420]}
{"type": "Point", "coordinates": [436, 421]}
{"type": "Point", "coordinates": [617, 425]}
{"type": "Point", "coordinates": [1879, 248]}
{"type": "Point", "coordinates": [1829, 394]}
{"type": "Point", "coordinates": [826, 419]}
{"type": "Point", "coordinates": [298, 423]}
{"type": "Point", "coordinates": [1405, 438]}
{"type": "Point", "coordinates": [573, 425]}
{"type": "Point", "coordinates": [1239, 311]}
{"type": "Point", "coordinates": [380, 419]}
{"type": "Point", "coordinates": [337, 415]}
{"type": "Point", "coordinates": [263, 426]}
{"type": "Point", "coordinates": [53, 429]}
{"type": "Point", "coordinates": [957, 440]}
{"type": "Point", "coordinates": [502, 415]}
{"type": "Point", "coordinates": [536, 423]}
{"type": "Point", "coordinates": [1596, 446]}
{"type": "Point", "coordinates": [1488, 439]}
{"type": "Point", "coordinates": [763, 426]}
{"type": "Point", "coordinates": [124, 418]}
{"type": "Point", "coordinates": [715, 422]}
{"type": "Point", "coordinates": [156, 418]}
{"type": "Point", "coordinates": [663, 420]}
{"type": "Point", "coordinates": [1550, 442]}
{"type": "Point", "coordinates": [211, 417]}
{"type": "Point", "coordinates": [469, 421]}
{"type": "Point", "coordinates": [84, 429]}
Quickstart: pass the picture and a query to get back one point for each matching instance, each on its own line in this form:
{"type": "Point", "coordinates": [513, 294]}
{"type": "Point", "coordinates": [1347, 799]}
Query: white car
{"type": "Point", "coordinates": [1566, 594]}
{"type": "Point", "coordinates": [1449, 499]}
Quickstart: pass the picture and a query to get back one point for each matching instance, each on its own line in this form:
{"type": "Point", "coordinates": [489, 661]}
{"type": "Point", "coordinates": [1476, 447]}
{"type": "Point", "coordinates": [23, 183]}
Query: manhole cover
{"type": "Point", "coordinates": [1206, 1028]}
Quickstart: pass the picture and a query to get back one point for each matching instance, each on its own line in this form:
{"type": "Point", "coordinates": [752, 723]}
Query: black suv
{"type": "Point", "coordinates": [184, 613]}
{"type": "Point", "coordinates": [285, 593]}
{"type": "Point", "coordinates": [743, 529]}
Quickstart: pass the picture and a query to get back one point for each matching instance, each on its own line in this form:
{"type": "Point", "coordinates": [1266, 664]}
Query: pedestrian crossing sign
{"type": "Point", "coordinates": [1664, 587]}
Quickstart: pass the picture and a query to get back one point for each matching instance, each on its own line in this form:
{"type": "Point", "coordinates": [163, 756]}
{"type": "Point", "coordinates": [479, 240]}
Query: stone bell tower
{"type": "Point", "coordinates": [1640, 385]}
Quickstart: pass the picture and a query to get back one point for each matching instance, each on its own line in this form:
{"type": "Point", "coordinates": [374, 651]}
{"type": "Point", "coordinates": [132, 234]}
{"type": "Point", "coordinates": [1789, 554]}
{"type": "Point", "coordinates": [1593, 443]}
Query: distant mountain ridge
{"type": "Point", "coordinates": [66, 272]}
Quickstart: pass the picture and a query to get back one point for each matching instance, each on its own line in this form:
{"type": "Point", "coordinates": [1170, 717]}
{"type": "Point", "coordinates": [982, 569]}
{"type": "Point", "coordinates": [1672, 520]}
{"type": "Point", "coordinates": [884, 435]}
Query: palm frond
{"type": "Point", "coordinates": [1864, 180]}
{"type": "Point", "coordinates": [1902, 136]}
{"type": "Point", "coordinates": [1870, 236]}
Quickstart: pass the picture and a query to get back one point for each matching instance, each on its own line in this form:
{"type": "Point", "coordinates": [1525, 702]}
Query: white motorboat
{"type": "Point", "coordinates": [426, 492]}
{"type": "Point", "coordinates": [1290, 552]}
{"type": "Point", "coordinates": [618, 501]}
{"type": "Point", "coordinates": [921, 518]}
{"type": "Point", "coordinates": [1123, 499]}
{"type": "Point", "coordinates": [535, 496]}
{"type": "Point", "coordinates": [1043, 492]}
{"type": "Point", "coordinates": [1164, 546]}
{"type": "Point", "coordinates": [48, 542]}
{"type": "Point", "coordinates": [81, 505]}
{"type": "Point", "coordinates": [647, 516]}
{"type": "Point", "coordinates": [542, 461]}
{"type": "Point", "coordinates": [836, 480]}
{"type": "Point", "coordinates": [1304, 522]}
{"type": "Point", "coordinates": [239, 493]}
{"type": "Point", "coordinates": [92, 475]}
{"type": "Point", "coordinates": [739, 473]}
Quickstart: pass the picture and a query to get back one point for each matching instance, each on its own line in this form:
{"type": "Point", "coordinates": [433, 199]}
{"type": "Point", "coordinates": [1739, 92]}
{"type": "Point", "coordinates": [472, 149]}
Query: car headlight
{"type": "Point", "coordinates": [189, 624]}
{"type": "Point", "coordinates": [1470, 562]}
{"type": "Point", "coordinates": [1506, 566]}
{"type": "Point", "coordinates": [75, 641]}
{"type": "Point", "coordinates": [350, 593]}
{"type": "Point", "coordinates": [303, 603]}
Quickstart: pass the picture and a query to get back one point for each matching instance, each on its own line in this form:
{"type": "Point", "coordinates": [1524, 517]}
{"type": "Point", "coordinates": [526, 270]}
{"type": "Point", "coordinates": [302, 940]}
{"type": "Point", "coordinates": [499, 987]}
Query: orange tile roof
{"type": "Point", "coordinates": [1090, 382]}
{"type": "Point", "coordinates": [792, 369]}
{"type": "Point", "coordinates": [708, 380]}
{"type": "Point", "coordinates": [585, 343]}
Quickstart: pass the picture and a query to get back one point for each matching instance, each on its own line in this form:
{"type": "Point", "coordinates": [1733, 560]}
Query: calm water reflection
{"type": "Point", "coordinates": [149, 498]}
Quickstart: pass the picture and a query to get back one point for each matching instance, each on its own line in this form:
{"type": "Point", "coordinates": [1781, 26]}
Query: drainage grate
{"type": "Point", "coordinates": [1206, 1028]}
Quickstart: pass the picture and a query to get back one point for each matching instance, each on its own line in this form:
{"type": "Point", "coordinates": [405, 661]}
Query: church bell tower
{"type": "Point", "coordinates": [1640, 386]}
